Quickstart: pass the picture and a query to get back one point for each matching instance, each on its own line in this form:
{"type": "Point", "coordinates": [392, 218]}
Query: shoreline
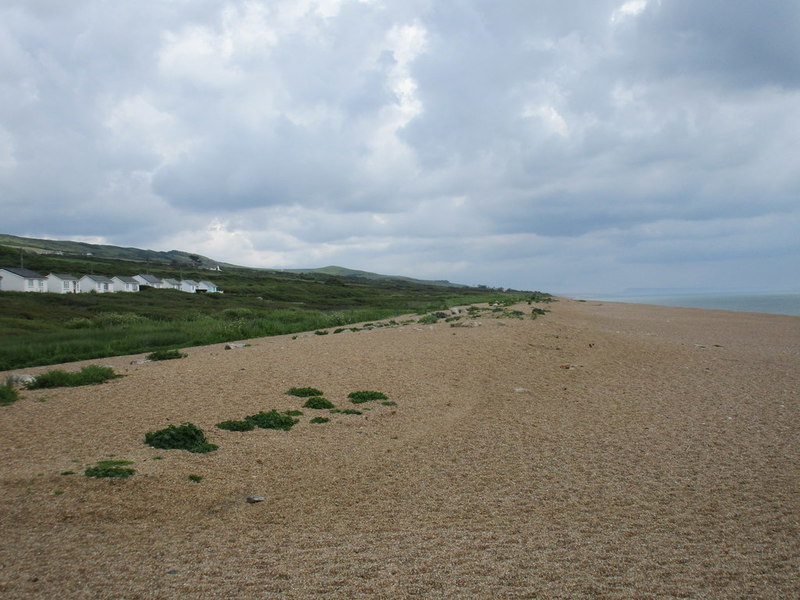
{"type": "Point", "coordinates": [783, 303]}
{"type": "Point", "coordinates": [610, 450]}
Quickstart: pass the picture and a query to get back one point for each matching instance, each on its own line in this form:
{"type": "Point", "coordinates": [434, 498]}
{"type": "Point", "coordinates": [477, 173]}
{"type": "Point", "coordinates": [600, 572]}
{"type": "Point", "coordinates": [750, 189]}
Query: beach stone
{"type": "Point", "coordinates": [521, 390]}
{"type": "Point", "coordinates": [20, 379]}
{"type": "Point", "coordinates": [233, 346]}
{"type": "Point", "coordinates": [254, 499]}
{"type": "Point", "coordinates": [140, 361]}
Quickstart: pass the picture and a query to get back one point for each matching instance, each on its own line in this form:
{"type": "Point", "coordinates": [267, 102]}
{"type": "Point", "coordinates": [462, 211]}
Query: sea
{"type": "Point", "coordinates": [787, 303]}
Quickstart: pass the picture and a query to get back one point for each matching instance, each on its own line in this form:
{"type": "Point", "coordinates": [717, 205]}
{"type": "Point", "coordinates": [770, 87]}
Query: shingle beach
{"type": "Point", "coordinates": [600, 451]}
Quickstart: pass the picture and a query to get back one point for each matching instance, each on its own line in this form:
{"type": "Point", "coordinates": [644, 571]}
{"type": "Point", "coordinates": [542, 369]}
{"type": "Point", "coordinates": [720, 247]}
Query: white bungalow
{"type": "Point", "coordinates": [122, 283]}
{"type": "Point", "coordinates": [187, 285]}
{"type": "Point", "coordinates": [61, 283]}
{"type": "Point", "coordinates": [22, 280]}
{"type": "Point", "coordinates": [172, 284]}
{"type": "Point", "coordinates": [149, 280]}
{"type": "Point", "coordinates": [95, 283]}
{"type": "Point", "coordinates": [207, 286]}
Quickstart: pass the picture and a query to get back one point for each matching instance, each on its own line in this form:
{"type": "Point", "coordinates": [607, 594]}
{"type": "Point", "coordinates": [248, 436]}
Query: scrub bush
{"type": "Point", "coordinates": [89, 375]}
{"type": "Point", "coordinates": [304, 392]}
{"type": "Point", "coordinates": [184, 437]}
{"type": "Point", "coordinates": [318, 402]}
{"type": "Point", "coordinates": [272, 420]}
{"type": "Point", "coordinates": [366, 396]}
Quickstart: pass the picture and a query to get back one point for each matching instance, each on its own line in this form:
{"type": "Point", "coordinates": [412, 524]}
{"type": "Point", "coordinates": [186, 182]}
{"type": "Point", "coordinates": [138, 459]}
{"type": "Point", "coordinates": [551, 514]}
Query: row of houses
{"type": "Point", "coordinates": [25, 280]}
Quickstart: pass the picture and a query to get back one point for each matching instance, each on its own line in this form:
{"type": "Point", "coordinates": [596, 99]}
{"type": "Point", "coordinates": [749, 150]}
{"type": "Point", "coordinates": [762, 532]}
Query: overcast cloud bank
{"type": "Point", "coordinates": [571, 146]}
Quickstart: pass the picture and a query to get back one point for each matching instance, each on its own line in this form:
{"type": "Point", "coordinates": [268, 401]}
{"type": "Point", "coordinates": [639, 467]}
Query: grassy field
{"type": "Point", "coordinates": [42, 329]}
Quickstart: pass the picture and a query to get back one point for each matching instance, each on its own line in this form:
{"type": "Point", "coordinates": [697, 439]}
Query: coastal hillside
{"type": "Point", "coordinates": [48, 328]}
{"type": "Point", "coordinates": [81, 251]}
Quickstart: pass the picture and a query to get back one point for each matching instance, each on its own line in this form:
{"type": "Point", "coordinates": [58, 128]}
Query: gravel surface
{"type": "Point", "coordinates": [600, 451]}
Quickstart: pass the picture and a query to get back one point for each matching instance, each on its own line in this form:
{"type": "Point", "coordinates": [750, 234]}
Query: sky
{"type": "Point", "coordinates": [569, 146]}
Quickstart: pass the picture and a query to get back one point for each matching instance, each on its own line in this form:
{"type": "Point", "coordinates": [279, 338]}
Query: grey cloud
{"type": "Point", "coordinates": [730, 42]}
{"type": "Point", "coordinates": [538, 141]}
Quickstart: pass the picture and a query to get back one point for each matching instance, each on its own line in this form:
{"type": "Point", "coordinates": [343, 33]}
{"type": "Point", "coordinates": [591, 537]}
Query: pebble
{"type": "Point", "coordinates": [254, 499]}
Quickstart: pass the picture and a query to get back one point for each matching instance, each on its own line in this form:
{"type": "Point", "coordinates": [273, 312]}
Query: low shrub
{"type": "Point", "coordinates": [89, 375]}
{"type": "Point", "coordinates": [318, 402]}
{"type": "Point", "coordinates": [294, 413]}
{"type": "Point", "coordinates": [112, 319]}
{"type": "Point", "coordinates": [366, 396]}
{"type": "Point", "coordinates": [110, 468]}
{"type": "Point", "coordinates": [428, 320]}
{"type": "Point", "coordinates": [389, 403]}
{"type": "Point", "coordinates": [272, 420]}
{"type": "Point", "coordinates": [351, 411]}
{"type": "Point", "coordinates": [78, 323]}
{"type": "Point", "coordinates": [165, 355]}
{"type": "Point", "coordinates": [304, 392]}
{"type": "Point", "coordinates": [320, 332]}
{"type": "Point", "coordinates": [184, 437]}
{"type": "Point", "coordinates": [319, 420]}
{"type": "Point", "coordinates": [236, 425]}
{"type": "Point", "coordinates": [235, 314]}
{"type": "Point", "coordinates": [195, 478]}
{"type": "Point", "coordinates": [8, 394]}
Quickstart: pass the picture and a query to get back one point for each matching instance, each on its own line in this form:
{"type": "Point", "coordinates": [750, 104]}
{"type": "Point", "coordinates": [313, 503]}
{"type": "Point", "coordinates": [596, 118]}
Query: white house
{"type": "Point", "coordinates": [172, 284]}
{"type": "Point", "coordinates": [22, 280]}
{"type": "Point", "coordinates": [61, 283]}
{"type": "Point", "coordinates": [125, 284]}
{"type": "Point", "coordinates": [149, 280]}
{"type": "Point", "coordinates": [207, 286]}
{"type": "Point", "coordinates": [95, 283]}
{"type": "Point", "coordinates": [187, 285]}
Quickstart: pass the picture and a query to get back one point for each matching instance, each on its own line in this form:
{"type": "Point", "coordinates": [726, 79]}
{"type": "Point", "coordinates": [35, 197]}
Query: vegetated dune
{"type": "Point", "coordinates": [600, 451]}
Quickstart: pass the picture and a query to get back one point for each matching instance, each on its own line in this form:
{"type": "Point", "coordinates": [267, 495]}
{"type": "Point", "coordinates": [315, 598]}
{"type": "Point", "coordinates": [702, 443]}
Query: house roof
{"type": "Point", "coordinates": [26, 273]}
{"type": "Point", "coordinates": [189, 282]}
{"type": "Point", "coordinates": [172, 281]}
{"type": "Point", "coordinates": [207, 283]}
{"type": "Point", "coordinates": [64, 276]}
{"type": "Point", "coordinates": [98, 278]}
{"type": "Point", "coordinates": [125, 279]}
{"type": "Point", "coordinates": [150, 278]}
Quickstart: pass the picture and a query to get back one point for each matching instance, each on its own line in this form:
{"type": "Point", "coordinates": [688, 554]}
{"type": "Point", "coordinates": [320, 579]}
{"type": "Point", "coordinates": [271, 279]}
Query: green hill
{"type": "Point", "coordinates": [83, 249]}
{"type": "Point", "coordinates": [354, 273]}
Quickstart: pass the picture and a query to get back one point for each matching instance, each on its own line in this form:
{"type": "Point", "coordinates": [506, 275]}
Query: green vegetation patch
{"type": "Point", "coordinates": [195, 478]}
{"type": "Point", "coordinates": [389, 403]}
{"type": "Point", "coordinates": [316, 420]}
{"type": "Point", "coordinates": [89, 375]}
{"type": "Point", "coordinates": [428, 320]}
{"type": "Point", "coordinates": [294, 413]}
{"type": "Point", "coordinates": [165, 355]}
{"type": "Point", "coordinates": [236, 425]}
{"type": "Point", "coordinates": [366, 396]}
{"type": "Point", "coordinates": [8, 394]}
{"type": "Point", "coordinates": [318, 402]}
{"type": "Point", "coordinates": [110, 468]}
{"type": "Point", "coordinates": [272, 420]}
{"type": "Point", "coordinates": [304, 392]}
{"type": "Point", "coordinates": [184, 437]}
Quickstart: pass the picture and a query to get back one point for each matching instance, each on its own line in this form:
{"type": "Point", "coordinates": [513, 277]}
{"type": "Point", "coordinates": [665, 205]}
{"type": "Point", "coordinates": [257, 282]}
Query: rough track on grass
{"type": "Point", "coordinates": [600, 451]}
